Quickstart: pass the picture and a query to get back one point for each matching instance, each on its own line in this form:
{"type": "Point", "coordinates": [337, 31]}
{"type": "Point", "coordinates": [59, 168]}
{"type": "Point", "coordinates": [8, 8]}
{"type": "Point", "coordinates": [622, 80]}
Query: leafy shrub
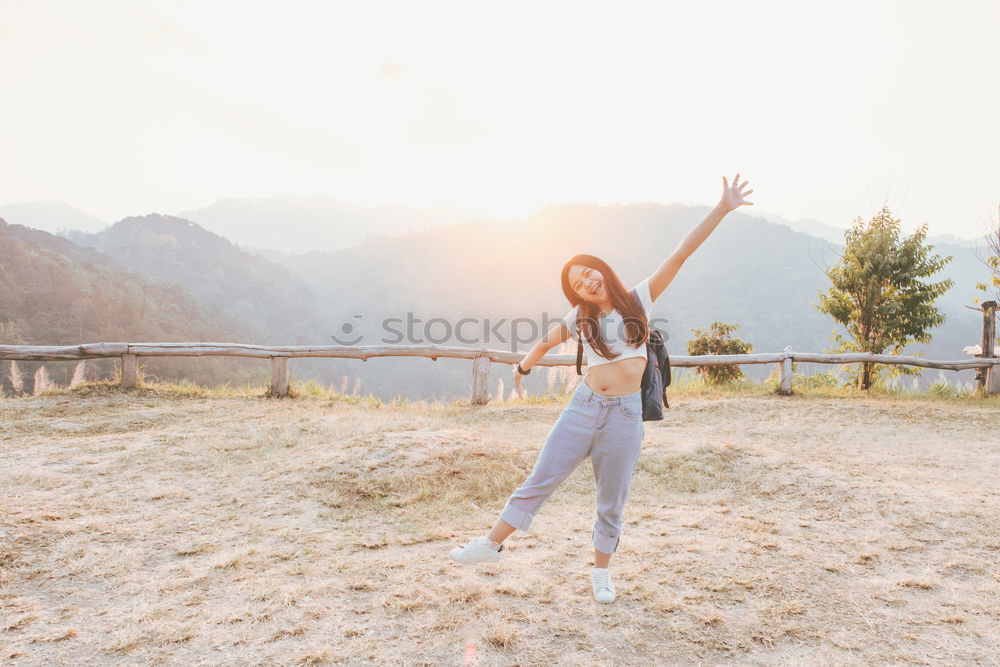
{"type": "Point", "coordinates": [718, 340]}
{"type": "Point", "coordinates": [827, 379]}
{"type": "Point", "coordinates": [942, 388]}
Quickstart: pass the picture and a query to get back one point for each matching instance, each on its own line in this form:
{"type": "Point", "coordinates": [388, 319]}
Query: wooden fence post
{"type": "Point", "coordinates": [480, 380]}
{"type": "Point", "coordinates": [785, 373]}
{"type": "Point", "coordinates": [990, 377]}
{"type": "Point", "coordinates": [279, 376]}
{"type": "Point", "coordinates": [130, 370]}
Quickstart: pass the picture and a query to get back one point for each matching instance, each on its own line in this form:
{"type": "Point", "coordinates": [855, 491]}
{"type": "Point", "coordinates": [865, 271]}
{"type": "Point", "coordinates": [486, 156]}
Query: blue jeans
{"type": "Point", "coordinates": [608, 429]}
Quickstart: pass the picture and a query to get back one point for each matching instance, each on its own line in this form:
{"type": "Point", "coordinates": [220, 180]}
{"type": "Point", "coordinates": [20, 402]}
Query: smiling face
{"type": "Point", "coordinates": [588, 283]}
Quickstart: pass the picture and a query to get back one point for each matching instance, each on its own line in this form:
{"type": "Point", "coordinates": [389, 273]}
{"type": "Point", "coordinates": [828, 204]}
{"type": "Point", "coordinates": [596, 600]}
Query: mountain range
{"type": "Point", "coordinates": [761, 273]}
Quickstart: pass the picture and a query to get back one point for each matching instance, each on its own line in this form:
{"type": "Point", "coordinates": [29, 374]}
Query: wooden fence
{"type": "Point", "coordinates": [481, 359]}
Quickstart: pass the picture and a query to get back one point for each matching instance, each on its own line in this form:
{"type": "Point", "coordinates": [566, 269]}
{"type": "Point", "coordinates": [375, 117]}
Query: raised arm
{"type": "Point", "coordinates": [732, 198]}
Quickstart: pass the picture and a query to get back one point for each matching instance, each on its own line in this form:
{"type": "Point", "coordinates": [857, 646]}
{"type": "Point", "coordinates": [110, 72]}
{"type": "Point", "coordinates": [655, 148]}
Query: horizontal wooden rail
{"type": "Point", "coordinates": [279, 355]}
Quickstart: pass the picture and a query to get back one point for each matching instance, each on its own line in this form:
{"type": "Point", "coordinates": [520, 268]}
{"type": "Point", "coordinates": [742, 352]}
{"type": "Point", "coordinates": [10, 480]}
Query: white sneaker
{"type": "Point", "coordinates": [477, 550]}
{"type": "Point", "coordinates": [604, 589]}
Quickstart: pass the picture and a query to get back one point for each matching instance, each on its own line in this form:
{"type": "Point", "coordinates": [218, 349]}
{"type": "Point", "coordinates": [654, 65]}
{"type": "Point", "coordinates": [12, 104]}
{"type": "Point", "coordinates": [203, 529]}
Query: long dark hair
{"type": "Point", "coordinates": [636, 324]}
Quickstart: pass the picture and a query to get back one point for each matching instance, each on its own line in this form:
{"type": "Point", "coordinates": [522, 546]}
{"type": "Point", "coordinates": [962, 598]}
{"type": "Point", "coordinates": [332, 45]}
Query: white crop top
{"type": "Point", "coordinates": [612, 329]}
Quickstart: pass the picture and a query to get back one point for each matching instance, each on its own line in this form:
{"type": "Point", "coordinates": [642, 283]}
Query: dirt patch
{"type": "Point", "coordinates": [409, 473]}
{"type": "Point", "coordinates": [760, 530]}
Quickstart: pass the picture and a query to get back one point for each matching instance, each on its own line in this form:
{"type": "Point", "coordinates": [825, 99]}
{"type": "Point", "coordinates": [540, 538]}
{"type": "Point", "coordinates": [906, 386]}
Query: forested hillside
{"type": "Point", "coordinates": [275, 307]}
{"type": "Point", "coordinates": [57, 293]}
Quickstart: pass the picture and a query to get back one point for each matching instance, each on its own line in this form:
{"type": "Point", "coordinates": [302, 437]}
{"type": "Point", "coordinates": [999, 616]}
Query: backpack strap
{"type": "Point", "coordinates": [579, 354]}
{"type": "Point", "coordinates": [635, 295]}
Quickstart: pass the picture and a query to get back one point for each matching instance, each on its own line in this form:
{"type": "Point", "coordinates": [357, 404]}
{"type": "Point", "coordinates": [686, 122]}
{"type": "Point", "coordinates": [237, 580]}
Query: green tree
{"type": "Point", "coordinates": [993, 264]}
{"type": "Point", "coordinates": [718, 340]}
{"type": "Point", "coordinates": [877, 293]}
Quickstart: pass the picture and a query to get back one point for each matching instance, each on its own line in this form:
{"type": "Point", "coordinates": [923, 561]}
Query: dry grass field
{"type": "Point", "coordinates": [166, 527]}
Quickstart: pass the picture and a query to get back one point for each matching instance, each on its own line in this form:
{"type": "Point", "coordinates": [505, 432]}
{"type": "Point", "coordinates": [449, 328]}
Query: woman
{"type": "Point", "coordinates": [603, 419]}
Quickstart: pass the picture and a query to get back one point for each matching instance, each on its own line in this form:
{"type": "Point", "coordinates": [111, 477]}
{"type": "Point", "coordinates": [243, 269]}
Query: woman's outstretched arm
{"type": "Point", "coordinates": [556, 335]}
{"type": "Point", "coordinates": [732, 198]}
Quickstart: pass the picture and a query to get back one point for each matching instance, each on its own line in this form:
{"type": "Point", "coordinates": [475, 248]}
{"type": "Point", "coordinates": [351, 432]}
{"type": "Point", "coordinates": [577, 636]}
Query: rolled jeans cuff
{"type": "Point", "coordinates": [605, 544]}
{"type": "Point", "coordinates": [517, 518]}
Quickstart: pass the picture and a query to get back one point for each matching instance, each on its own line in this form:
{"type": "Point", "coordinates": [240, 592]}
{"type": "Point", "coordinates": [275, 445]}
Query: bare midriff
{"type": "Point", "coordinates": [616, 377]}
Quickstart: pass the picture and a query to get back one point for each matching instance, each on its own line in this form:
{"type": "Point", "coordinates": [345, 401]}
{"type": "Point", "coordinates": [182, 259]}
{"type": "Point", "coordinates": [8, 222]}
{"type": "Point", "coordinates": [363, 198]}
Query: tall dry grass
{"type": "Point", "coordinates": [16, 378]}
{"type": "Point", "coordinates": [42, 383]}
{"type": "Point", "coordinates": [79, 374]}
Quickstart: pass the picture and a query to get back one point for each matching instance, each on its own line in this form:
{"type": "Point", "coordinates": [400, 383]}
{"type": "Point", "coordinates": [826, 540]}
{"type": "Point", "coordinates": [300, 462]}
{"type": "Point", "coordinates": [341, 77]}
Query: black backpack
{"type": "Point", "coordinates": [656, 377]}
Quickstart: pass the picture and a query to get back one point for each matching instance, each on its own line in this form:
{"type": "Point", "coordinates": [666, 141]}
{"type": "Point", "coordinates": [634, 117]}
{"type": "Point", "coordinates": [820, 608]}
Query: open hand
{"type": "Point", "coordinates": [517, 383]}
{"type": "Point", "coordinates": [733, 195]}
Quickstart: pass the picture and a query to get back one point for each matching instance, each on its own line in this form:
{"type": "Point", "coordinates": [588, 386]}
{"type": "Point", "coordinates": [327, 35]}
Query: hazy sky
{"type": "Point", "coordinates": [126, 107]}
